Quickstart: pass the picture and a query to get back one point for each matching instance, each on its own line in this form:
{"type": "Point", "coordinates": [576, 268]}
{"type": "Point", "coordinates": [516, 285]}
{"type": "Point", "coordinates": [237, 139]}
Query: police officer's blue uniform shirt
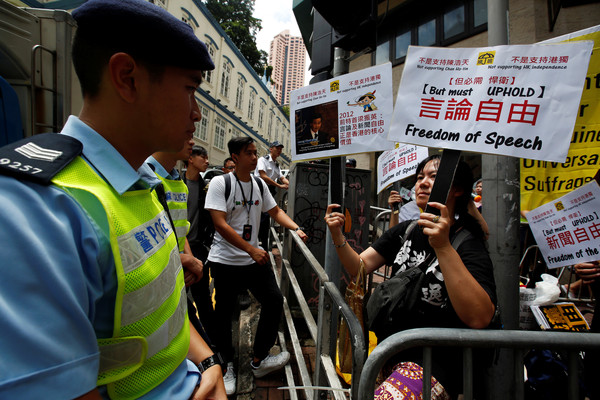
{"type": "Point", "coordinates": [58, 284]}
{"type": "Point", "coordinates": [160, 170]}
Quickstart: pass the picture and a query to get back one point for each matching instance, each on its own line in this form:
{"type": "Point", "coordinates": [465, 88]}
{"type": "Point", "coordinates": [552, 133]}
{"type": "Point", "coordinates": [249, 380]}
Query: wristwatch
{"type": "Point", "coordinates": [211, 361]}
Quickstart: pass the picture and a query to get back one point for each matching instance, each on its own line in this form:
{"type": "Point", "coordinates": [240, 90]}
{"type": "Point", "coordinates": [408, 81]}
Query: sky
{"type": "Point", "coordinates": [276, 16]}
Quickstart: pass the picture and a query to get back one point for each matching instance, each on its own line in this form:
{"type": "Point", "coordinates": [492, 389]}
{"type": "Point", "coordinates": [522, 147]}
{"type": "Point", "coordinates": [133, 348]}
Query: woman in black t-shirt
{"type": "Point", "coordinates": [458, 290]}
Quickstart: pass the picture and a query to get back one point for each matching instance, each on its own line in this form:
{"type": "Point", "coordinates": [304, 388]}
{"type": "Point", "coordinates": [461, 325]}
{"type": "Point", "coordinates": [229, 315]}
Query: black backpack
{"type": "Point", "coordinates": [394, 304]}
{"type": "Point", "coordinates": [227, 178]}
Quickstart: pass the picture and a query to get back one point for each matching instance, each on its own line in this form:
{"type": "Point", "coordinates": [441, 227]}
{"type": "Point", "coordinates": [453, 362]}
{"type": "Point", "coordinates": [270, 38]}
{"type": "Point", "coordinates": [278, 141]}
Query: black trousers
{"type": "Point", "coordinates": [201, 293]}
{"type": "Point", "coordinates": [230, 280]}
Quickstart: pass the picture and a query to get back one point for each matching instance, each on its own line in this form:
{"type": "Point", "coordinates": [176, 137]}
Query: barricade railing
{"type": "Point", "coordinates": [516, 340]}
{"type": "Point", "coordinates": [325, 380]}
{"type": "Point", "coordinates": [380, 218]}
{"type": "Point", "coordinates": [574, 290]}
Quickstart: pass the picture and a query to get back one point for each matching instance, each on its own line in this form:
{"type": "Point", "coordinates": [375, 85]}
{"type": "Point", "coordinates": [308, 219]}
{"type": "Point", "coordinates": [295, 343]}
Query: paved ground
{"type": "Point", "coordinates": [266, 388]}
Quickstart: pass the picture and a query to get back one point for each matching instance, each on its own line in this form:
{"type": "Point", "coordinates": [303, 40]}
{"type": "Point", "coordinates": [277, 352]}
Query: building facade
{"type": "Point", "coordinates": [451, 23]}
{"type": "Point", "coordinates": [232, 98]}
{"type": "Point", "coordinates": [287, 56]}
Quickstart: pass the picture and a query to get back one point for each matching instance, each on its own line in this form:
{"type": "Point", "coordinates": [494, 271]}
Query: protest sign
{"type": "Point", "coordinates": [397, 164]}
{"type": "Point", "coordinates": [345, 115]}
{"type": "Point", "coordinates": [567, 229]}
{"type": "Point", "coordinates": [542, 182]}
{"type": "Point", "coordinates": [509, 100]}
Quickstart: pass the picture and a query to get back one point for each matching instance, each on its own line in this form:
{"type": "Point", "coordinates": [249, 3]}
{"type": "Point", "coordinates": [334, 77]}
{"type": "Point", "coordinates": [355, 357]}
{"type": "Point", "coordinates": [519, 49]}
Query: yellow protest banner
{"type": "Point", "coordinates": [541, 181]}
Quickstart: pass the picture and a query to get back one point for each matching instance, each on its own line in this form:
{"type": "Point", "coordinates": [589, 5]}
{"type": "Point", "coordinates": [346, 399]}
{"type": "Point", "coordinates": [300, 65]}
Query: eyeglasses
{"type": "Point", "coordinates": [229, 167]}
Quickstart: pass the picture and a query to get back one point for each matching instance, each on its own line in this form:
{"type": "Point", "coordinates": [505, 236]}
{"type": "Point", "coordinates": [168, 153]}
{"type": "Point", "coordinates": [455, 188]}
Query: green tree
{"type": "Point", "coordinates": [235, 17]}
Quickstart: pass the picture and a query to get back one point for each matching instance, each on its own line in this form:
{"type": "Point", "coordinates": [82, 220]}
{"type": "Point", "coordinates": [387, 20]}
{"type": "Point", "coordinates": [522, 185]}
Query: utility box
{"type": "Point", "coordinates": [307, 203]}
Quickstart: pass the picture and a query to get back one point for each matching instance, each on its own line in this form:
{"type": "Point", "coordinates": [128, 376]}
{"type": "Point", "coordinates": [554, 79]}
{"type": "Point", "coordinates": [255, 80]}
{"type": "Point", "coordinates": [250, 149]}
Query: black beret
{"type": "Point", "coordinates": [143, 30]}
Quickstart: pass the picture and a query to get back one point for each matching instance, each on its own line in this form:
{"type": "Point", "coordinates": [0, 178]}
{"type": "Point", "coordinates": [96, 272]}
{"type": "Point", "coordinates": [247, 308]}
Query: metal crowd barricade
{"type": "Point", "coordinates": [516, 340]}
{"type": "Point", "coordinates": [529, 263]}
{"type": "Point", "coordinates": [325, 380]}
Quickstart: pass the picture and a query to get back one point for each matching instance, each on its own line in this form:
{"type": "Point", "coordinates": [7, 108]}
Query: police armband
{"type": "Point", "coordinates": [40, 157]}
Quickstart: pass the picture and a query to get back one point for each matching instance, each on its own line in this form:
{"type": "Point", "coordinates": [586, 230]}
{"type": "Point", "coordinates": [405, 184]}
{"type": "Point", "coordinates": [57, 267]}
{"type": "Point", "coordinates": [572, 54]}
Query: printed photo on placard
{"type": "Point", "coordinates": [317, 128]}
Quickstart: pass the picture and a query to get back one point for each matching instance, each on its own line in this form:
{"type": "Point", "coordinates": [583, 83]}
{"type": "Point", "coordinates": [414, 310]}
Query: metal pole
{"type": "Point", "coordinates": [501, 208]}
{"type": "Point", "coordinates": [337, 179]}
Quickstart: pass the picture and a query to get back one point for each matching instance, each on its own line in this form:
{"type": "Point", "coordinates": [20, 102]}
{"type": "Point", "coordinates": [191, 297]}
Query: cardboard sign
{"type": "Point", "coordinates": [541, 181]}
{"type": "Point", "coordinates": [397, 164]}
{"type": "Point", "coordinates": [567, 230]}
{"type": "Point", "coordinates": [510, 100]}
{"type": "Point", "coordinates": [345, 115]}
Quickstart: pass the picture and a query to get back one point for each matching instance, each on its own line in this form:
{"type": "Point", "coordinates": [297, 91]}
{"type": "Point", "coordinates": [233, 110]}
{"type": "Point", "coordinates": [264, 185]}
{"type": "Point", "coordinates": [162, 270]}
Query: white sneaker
{"type": "Point", "coordinates": [230, 379]}
{"type": "Point", "coordinates": [270, 364]}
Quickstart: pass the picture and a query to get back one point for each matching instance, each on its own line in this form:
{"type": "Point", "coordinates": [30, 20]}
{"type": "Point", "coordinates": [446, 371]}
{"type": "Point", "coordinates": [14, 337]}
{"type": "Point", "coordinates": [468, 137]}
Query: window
{"type": "Point", "coordinates": [270, 127]}
{"type": "Point", "coordinates": [426, 33]}
{"type": "Point", "coordinates": [401, 44]}
{"type": "Point", "coordinates": [220, 130]}
{"type": "Point", "coordinates": [225, 76]}
{"type": "Point", "coordinates": [160, 3]}
{"type": "Point", "coordinates": [239, 94]}
{"type": "Point", "coordinates": [382, 53]}
{"type": "Point", "coordinates": [235, 133]}
{"type": "Point", "coordinates": [202, 126]}
{"type": "Point", "coordinates": [424, 25]}
{"type": "Point", "coordinates": [207, 75]}
{"type": "Point", "coordinates": [261, 114]}
{"type": "Point", "coordinates": [454, 22]}
{"type": "Point", "coordinates": [251, 105]}
{"type": "Point", "coordinates": [479, 12]}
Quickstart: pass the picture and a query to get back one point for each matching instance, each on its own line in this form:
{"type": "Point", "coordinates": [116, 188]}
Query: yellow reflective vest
{"type": "Point", "coordinates": [151, 330]}
{"type": "Point", "coordinates": [176, 192]}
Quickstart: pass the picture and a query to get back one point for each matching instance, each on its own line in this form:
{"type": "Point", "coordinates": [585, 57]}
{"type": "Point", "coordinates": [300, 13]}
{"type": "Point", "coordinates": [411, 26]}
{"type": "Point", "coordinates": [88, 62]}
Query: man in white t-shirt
{"type": "Point", "coordinates": [239, 263]}
{"type": "Point", "coordinates": [268, 170]}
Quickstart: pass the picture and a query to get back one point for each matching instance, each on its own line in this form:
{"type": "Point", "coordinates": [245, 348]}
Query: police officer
{"type": "Point", "coordinates": [91, 285]}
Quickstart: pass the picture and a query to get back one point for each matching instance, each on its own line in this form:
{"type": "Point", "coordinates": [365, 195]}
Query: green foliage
{"type": "Point", "coordinates": [286, 110]}
{"type": "Point", "coordinates": [235, 17]}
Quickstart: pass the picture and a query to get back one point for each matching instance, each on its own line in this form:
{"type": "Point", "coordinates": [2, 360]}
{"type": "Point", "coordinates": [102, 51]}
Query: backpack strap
{"type": "Point", "coordinates": [259, 181]}
{"type": "Point", "coordinates": [460, 237]}
{"type": "Point", "coordinates": [227, 178]}
{"type": "Point", "coordinates": [408, 231]}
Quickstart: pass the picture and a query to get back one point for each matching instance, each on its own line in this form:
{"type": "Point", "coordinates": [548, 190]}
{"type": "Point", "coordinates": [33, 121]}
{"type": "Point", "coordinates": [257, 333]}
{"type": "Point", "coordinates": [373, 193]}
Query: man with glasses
{"type": "Point", "coordinates": [228, 165]}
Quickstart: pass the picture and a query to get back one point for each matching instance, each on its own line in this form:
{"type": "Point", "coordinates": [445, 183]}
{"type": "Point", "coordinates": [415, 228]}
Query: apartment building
{"type": "Point", "coordinates": [288, 57]}
{"type": "Point", "coordinates": [233, 99]}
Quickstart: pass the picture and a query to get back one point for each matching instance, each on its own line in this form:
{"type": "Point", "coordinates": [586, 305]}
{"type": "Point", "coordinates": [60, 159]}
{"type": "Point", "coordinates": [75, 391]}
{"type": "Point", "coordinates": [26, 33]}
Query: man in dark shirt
{"type": "Point", "coordinates": [200, 234]}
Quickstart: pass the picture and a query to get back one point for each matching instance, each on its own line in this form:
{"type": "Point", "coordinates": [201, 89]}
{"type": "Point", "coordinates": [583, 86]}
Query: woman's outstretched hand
{"type": "Point", "coordinates": [333, 219]}
{"type": "Point", "coordinates": [436, 227]}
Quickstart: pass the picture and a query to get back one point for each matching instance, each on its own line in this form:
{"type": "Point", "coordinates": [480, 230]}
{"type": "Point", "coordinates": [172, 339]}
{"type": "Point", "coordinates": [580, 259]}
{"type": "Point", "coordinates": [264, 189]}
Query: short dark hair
{"type": "Point", "coordinates": [463, 179]}
{"type": "Point", "coordinates": [90, 59]}
{"type": "Point", "coordinates": [227, 160]}
{"type": "Point", "coordinates": [237, 144]}
{"type": "Point", "coordinates": [145, 31]}
{"type": "Point", "coordinates": [199, 151]}
{"type": "Point", "coordinates": [315, 116]}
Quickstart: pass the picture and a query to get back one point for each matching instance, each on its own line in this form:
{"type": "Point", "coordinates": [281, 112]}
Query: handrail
{"type": "Point", "coordinates": [510, 339]}
{"type": "Point", "coordinates": [34, 86]}
{"type": "Point", "coordinates": [330, 298]}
